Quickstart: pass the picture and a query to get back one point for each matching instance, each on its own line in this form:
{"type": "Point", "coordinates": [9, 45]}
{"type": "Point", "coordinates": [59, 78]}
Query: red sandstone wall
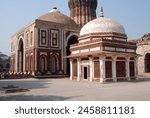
{"type": "Point", "coordinates": [120, 69]}
{"type": "Point", "coordinates": [75, 68]}
{"type": "Point", "coordinates": [132, 72]}
{"type": "Point", "coordinates": [108, 70]}
{"type": "Point", "coordinates": [96, 69]}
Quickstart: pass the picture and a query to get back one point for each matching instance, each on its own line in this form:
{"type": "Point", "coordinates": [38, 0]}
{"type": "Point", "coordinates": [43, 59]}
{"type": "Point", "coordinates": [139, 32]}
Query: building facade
{"type": "Point", "coordinates": [100, 52]}
{"type": "Point", "coordinates": [39, 48]}
{"type": "Point", "coordinates": [143, 49]}
{"type": "Point", "coordinates": [103, 53]}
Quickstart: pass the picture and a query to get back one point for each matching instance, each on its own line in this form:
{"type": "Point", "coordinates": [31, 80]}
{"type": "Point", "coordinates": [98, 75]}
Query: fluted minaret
{"type": "Point", "coordinates": [82, 11]}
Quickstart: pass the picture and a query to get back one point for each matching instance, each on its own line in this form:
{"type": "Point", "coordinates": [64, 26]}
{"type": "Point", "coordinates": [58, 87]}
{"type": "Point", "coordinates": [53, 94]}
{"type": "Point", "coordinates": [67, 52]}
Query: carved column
{"type": "Point", "coordinates": [128, 68]}
{"type": "Point", "coordinates": [79, 69]}
{"type": "Point", "coordinates": [102, 69]}
{"type": "Point", "coordinates": [114, 73]}
{"type": "Point", "coordinates": [91, 69]}
{"type": "Point", "coordinates": [71, 69]}
{"type": "Point", "coordinates": [136, 68]}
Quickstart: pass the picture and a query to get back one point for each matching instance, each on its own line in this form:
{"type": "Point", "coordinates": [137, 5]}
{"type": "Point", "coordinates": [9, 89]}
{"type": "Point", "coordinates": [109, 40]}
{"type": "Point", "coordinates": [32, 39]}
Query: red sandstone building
{"type": "Point", "coordinates": [40, 47]}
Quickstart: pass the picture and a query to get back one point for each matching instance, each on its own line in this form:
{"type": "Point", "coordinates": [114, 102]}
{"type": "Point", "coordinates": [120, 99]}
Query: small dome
{"type": "Point", "coordinates": [102, 25]}
{"type": "Point", "coordinates": [57, 17]}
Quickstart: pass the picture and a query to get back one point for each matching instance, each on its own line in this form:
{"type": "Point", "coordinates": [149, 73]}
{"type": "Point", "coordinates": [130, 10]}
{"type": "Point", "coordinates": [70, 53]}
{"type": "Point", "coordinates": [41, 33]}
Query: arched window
{"type": "Point", "coordinates": [43, 64]}
{"type": "Point", "coordinates": [54, 64]}
{"type": "Point", "coordinates": [147, 63]}
{"type": "Point", "coordinates": [27, 40]}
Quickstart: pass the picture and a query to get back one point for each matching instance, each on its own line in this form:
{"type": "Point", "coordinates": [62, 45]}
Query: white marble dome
{"type": "Point", "coordinates": [102, 25]}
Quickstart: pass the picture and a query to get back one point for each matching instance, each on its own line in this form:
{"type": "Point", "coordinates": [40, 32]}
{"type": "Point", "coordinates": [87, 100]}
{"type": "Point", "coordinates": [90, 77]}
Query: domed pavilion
{"type": "Point", "coordinates": [103, 53]}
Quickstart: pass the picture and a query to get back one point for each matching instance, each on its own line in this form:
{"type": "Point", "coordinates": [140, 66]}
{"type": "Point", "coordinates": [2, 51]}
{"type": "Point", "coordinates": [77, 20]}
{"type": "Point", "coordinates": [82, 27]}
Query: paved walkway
{"type": "Point", "coordinates": [66, 90]}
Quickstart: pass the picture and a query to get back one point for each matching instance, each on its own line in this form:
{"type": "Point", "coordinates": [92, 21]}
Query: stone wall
{"type": "Point", "coordinates": [143, 48]}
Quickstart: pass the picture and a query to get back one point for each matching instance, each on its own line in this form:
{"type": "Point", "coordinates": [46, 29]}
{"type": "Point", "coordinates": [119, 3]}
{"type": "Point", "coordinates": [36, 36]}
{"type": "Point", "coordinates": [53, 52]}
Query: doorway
{"type": "Point", "coordinates": [147, 63]}
{"type": "Point", "coordinates": [20, 56]}
{"type": "Point", "coordinates": [85, 72]}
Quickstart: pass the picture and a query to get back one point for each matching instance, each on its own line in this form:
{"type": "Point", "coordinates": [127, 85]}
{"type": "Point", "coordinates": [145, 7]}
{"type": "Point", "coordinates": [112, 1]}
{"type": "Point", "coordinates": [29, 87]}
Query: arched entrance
{"type": "Point", "coordinates": [31, 65]}
{"type": "Point", "coordinates": [54, 64]}
{"type": "Point", "coordinates": [20, 55]}
{"type": "Point", "coordinates": [72, 40]}
{"type": "Point", "coordinates": [43, 64]}
{"type": "Point", "coordinates": [147, 63]}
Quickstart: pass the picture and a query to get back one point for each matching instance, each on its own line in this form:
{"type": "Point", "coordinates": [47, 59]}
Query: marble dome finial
{"type": "Point", "coordinates": [102, 12]}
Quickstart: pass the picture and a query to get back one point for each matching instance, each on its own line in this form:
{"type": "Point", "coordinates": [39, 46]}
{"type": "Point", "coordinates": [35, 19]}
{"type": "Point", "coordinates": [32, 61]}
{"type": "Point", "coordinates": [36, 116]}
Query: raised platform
{"type": "Point", "coordinates": [50, 76]}
{"type": "Point", "coordinates": [145, 75]}
{"type": "Point", "coordinates": [25, 76]}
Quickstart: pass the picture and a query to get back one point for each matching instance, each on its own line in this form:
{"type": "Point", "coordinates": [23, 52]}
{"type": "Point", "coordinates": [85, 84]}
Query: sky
{"type": "Point", "coordinates": [134, 15]}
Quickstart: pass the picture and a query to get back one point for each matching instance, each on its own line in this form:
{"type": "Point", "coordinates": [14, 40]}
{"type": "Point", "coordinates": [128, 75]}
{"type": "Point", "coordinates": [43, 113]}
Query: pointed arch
{"type": "Point", "coordinates": [147, 63]}
{"type": "Point", "coordinates": [31, 65]}
{"type": "Point", "coordinates": [43, 64]}
{"type": "Point", "coordinates": [54, 62]}
{"type": "Point", "coordinates": [20, 55]}
{"type": "Point", "coordinates": [72, 39]}
{"type": "Point", "coordinates": [75, 35]}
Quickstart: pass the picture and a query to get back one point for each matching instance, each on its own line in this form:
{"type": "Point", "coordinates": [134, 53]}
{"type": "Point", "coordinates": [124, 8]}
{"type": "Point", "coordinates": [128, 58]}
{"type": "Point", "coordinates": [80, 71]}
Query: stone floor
{"type": "Point", "coordinates": [66, 90]}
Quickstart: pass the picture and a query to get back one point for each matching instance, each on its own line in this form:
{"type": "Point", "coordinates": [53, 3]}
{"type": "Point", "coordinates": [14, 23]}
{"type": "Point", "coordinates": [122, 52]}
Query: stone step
{"type": "Point", "coordinates": [50, 76]}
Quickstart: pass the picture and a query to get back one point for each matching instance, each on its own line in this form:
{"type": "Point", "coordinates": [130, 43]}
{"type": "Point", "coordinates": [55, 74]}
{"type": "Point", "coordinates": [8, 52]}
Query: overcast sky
{"type": "Point", "coordinates": [134, 15]}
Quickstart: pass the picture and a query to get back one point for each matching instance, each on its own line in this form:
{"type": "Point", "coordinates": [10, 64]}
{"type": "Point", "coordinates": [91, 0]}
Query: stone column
{"type": "Point", "coordinates": [91, 69]}
{"type": "Point", "coordinates": [79, 69]}
{"type": "Point", "coordinates": [114, 73]}
{"type": "Point", "coordinates": [16, 62]}
{"type": "Point", "coordinates": [71, 69]}
{"type": "Point", "coordinates": [24, 57]}
{"type": "Point", "coordinates": [136, 68]}
{"type": "Point", "coordinates": [128, 68]}
{"type": "Point", "coordinates": [64, 52]}
{"type": "Point", "coordinates": [102, 69]}
{"type": "Point", "coordinates": [35, 60]}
